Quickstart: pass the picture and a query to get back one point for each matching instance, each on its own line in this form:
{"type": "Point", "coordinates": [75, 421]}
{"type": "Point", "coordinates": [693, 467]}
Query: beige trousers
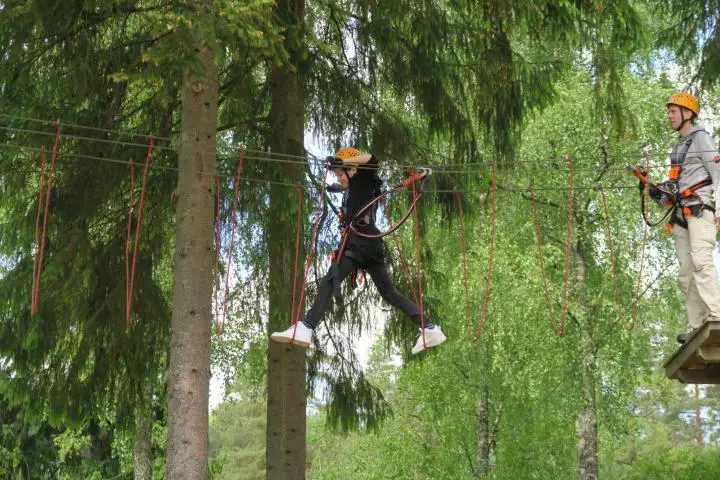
{"type": "Point", "coordinates": [698, 280]}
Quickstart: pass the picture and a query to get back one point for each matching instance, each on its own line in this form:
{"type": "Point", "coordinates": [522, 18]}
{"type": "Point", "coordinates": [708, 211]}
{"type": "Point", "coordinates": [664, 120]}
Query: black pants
{"type": "Point", "coordinates": [380, 278]}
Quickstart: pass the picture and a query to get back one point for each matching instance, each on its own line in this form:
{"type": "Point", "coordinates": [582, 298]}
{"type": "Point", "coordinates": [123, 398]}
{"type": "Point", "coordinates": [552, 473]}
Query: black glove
{"type": "Point", "coordinates": [641, 184]}
{"type": "Point", "coordinates": [655, 194]}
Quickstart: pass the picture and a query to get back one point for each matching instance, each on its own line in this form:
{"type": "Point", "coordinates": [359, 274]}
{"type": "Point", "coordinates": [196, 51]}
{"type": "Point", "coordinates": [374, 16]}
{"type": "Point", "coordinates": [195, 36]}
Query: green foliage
{"type": "Point", "coordinates": [237, 436]}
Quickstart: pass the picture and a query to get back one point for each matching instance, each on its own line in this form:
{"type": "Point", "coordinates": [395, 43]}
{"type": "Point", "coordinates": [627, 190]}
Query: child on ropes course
{"type": "Point", "coordinates": [693, 192]}
{"type": "Point", "coordinates": [356, 173]}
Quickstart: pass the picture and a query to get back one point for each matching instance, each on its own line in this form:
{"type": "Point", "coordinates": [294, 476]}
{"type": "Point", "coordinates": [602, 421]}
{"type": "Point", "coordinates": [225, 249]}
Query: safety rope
{"type": "Point", "coordinates": [44, 198]}
{"type": "Point", "coordinates": [488, 275]}
{"type": "Point", "coordinates": [463, 248]}
{"type": "Point", "coordinates": [567, 247]}
{"type": "Point", "coordinates": [138, 224]}
{"type": "Point", "coordinates": [308, 261]}
{"type": "Point", "coordinates": [536, 220]}
{"type": "Point", "coordinates": [419, 267]}
{"type": "Point", "coordinates": [233, 216]}
{"type": "Point", "coordinates": [409, 181]}
{"type": "Point", "coordinates": [302, 159]}
{"type": "Point", "coordinates": [613, 259]}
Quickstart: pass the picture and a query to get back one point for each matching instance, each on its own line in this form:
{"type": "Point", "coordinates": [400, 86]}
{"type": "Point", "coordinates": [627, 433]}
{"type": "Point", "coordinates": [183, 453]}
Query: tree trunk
{"type": "Point", "coordinates": [586, 426]}
{"type": "Point", "coordinates": [143, 453]}
{"type": "Point", "coordinates": [189, 373]}
{"type": "Point", "coordinates": [698, 418]}
{"type": "Point", "coordinates": [482, 461]}
{"type": "Point", "coordinates": [287, 401]}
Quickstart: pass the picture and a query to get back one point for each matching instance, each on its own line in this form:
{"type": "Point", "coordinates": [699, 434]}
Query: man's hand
{"type": "Point", "coordinates": [717, 224]}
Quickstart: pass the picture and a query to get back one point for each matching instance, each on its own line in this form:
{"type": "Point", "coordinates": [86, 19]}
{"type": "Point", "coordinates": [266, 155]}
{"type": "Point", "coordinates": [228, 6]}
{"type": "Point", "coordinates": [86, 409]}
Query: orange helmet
{"type": "Point", "coordinates": [685, 99]}
{"type": "Point", "coordinates": [347, 153]}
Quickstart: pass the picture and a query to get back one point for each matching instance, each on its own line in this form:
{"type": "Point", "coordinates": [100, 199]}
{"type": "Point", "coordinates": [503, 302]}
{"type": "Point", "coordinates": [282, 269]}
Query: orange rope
{"type": "Point", "coordinates": [463, 247]}
{"type": "Point", "coordinates": [488, 276]}
{"type": "Point", "coordinates": [536, 219]}
{"type": "Point", "coordinates": [613, 260]}
{"type": "Point", "coordinates": [37, 226]}
{"type": "Point", "coordinates": [40, 253]}
{"type": "Point", "coordinates": [236, 191]}
{"type": "Point", "coordinates": [137, 231]}
{"type": "Point", "coordinates": [419, 268]}
{"type": "Point", "coordinates": [316, 227]}
{"type": "Point", "coordinates": [567, 247]}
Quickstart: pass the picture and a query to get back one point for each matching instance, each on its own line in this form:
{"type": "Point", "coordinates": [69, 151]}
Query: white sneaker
{"type": "Point", "coordinates": [302, 335]}
{"type": "Point", "coordinates": [433, 337]}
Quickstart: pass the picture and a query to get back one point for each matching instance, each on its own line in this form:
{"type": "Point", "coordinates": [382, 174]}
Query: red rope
{"type": "Point", "coordinates": [218, 224]}
{"type": "Point", "coordinates": [131, 202]}
{"type": "Point", "coordinates": [37, 226]}
{"type": "Point", "coordinates": [316, 227]}
{"type": "Point", "coordinates": [536, 219]}
{"type": "Point", "coordinates": [405, 267]}
{"type": "Point", "coordinates": [463, 247]}
{"type": "Point", "coordinates": [236, 191]}
{"type": "Point", "coordinates": [39, 254]}
{"type": "Point", "coordinates": [488, 277]}
{"type": "Point", "coordinates": [613, 260]}
{"type": "Point", "coordinates": [297, 249]}
{"type": "Point", "coordinates": [138, 224]}
{"type": "Point", "coordinates": [419, 268]}
{"type": "Point", "coordinates": [567, 247]}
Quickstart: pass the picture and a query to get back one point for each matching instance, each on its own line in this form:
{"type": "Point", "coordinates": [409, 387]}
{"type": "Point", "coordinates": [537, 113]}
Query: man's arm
{"type": "Point", "coordinates": [711, 160]}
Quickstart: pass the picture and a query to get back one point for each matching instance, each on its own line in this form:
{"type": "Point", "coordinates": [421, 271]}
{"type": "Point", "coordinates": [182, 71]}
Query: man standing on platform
{"type": "Point", "coordinates": [694, 186]}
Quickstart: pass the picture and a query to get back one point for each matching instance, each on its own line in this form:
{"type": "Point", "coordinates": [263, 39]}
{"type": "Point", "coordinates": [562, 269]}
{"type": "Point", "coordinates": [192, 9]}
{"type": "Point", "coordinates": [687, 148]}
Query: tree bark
{"type": "Point", "coordinates": [189, 373]}
{"type": "Point", "coordinates": [287, 401]}
{"type": "Point", "coordinates": [482, 461]}
{"type": "Point", "coordinates": [586, 425]}
{"type": "Point", "coordinates": [143, 453]}
{"type": "Point", "coordinates": [698, 418]}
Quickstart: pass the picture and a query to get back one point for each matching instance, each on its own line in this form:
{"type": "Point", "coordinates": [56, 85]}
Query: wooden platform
{"type": "Point", "coordinates": [698, 359]}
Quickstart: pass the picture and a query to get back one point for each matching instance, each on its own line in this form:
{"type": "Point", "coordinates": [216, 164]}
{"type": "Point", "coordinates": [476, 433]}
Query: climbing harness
{"type": "Point", "coordinates": [676, 212]}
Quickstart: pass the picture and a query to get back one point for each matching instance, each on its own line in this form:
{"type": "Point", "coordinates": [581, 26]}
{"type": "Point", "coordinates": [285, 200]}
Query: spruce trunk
{"type": "Point", "coordinates": [287, 401]}
{"type": "Point", "coordinates": [143, 454]}
{"type": "Point", "coordinates": [189, 373]}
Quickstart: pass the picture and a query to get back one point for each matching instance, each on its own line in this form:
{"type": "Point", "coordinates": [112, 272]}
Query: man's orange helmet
{"type": "Point", "coordinates": [685, 99]}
